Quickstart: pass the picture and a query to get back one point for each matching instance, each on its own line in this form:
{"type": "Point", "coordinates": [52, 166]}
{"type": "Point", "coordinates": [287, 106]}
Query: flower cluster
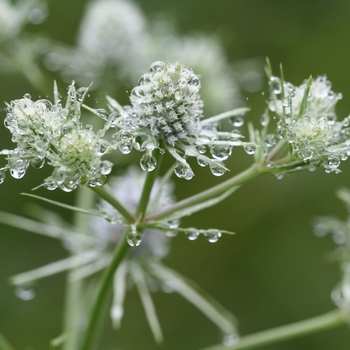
{"type": "Point", "coordinates": [166, 112]}
{"type": "Point", "coordinates": [46, 132]}
{"type": "Point", "coordinates": [308, 123]}
{"type": "Point", "coordinates": [340, 231]}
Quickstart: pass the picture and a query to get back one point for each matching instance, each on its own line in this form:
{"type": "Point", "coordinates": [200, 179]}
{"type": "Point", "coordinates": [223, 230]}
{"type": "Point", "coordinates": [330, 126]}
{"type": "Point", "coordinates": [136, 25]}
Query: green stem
{"type": "Point", "coordinates": [147, 188]}
{"type": "Point", "coordinates": [109, 198]}
{"type": "Point", "coordinates": [254, 171]}
{"type": "Point", "coordinates": [97, 305]}
{"type": "Point", "coordinates": [316, 324]}
{"type": "Point", "coordinates": [74, 306]}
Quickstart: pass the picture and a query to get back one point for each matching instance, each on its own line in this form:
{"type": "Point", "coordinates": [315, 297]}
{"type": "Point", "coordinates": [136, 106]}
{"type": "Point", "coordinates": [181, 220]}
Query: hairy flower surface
{"type": "Point", "coordinates": [49, 132]}
{"type": "Point", "coordinates": [166, 113]}
{"type": "Point", "coordinates": [307, 121]}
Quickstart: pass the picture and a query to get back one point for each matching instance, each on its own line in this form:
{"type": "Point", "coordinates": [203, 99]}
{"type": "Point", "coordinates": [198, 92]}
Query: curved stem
{"type": "Point", "coordinates": [97, 306]}
{"type": "Point", "coordinates": [254, 171]}
{"type": "Point", "coordinates": [109, 198]}
{"type": "Point", "coordinates": [327, 321]}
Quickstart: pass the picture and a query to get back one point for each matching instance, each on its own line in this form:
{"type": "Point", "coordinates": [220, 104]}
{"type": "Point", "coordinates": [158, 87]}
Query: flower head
{"type": "Point", "coordinates": [49, 132]}
{"type": "Point", "coordinates": [166, 113]}
{"type": "Point", "coordinates": [308, 123]}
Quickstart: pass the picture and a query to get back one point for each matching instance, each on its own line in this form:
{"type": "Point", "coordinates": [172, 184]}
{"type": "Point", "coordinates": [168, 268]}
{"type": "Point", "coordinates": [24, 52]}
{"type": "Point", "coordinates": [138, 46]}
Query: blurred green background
{"type": "Point", "coordinates": [274, 270]}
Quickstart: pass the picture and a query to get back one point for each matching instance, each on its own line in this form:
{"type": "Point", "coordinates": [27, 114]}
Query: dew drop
{"type": "Point", "coordinates": [183, 172]}
{"type": "Point", "coordinates": [201, 162]}
{"type": "Point", "coordinates": [157, 66]}
{"type": "Point", "coordinates": [264, 120]}
{"type": "Point", "coordinates": [18, 168]}
{"type": "Point", "coordinates": [50, 184]}
{"type": "Point", "coordinates": [212, 235]}
{"type": "Point", "coordinates": [230, 339]}
{"type": "Point", "coordinates": [216, 169]}
{"type": "Point", "coordinates": [25, 293]}
{"type": "Point", "coordinates": [201, 149]}
{"type": "Point", "coordinates": [171, 233]}
{"type": "Point", "coordinates": [192, 234]}
{"type": "Point", "coordinates": [148, 162]}
{"type": "Point", "coordinates": [2, 175]}
{"type": "Point", "coordinates": [37, 163]}
{"type": "Point", "coordinates": [333, 162]}
{"type": "Point", "coordinates": [221, 152]}
{"type": "Point", "coordinates": [289, 135]}
{"type": "Point", "coordinates": [134, 237]}
{"type": "Point", "coordinates": [270, 140]}
{"type": "Point", "coordinates": [275, 83]}
{"type": "Point", "coordinates": [250, 148]}
{"type": "Point", "coordinates": [237, 121]}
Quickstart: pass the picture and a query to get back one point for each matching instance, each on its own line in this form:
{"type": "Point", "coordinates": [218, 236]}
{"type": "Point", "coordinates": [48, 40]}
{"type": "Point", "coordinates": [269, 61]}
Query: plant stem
{"type": "Point", "coordinates": [97, 305]}
{"type": "Point", "coordinates": [147, 188]}
{"type": "Point", "coordinates": [109, 198]}
{"type": "Point", "coordinates": [316, 324]}
{"type": "Point", "coordinates": [254, 171]}
{"type": "Point", "coordinates": [73, 308]}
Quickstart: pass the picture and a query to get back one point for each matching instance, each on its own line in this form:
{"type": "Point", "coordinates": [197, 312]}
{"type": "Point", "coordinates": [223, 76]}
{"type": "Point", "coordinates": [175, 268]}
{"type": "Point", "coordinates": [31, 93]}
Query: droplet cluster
{"type": "Point", "coordinates": [308, 123]}
{"type": "Point", "coordinates": [48, 132]}
{"type": "Point", "coordinates": [166, 113]}
{"type": "Point", "coordinates": [167, 102]}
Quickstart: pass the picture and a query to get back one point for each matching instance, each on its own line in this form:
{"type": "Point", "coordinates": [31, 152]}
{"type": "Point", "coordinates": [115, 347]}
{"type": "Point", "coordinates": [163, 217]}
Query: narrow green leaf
{"type": "Point", "coordinates": [53, 268]}
{"type": "Point", "coordinates": [147, 302]}
{"type": "Point", "coordinates": [187, 211]}
{"type": "Point", "coordinates": [57, 342]}
{"type": "Point", "coordinates": [119, 288]}
{"type": "Point", "coordinates": [94, 212]}
{"type": "Point", "coordinates": [225, 115]}
{"type": "Point", "coordinates": [223, 318]}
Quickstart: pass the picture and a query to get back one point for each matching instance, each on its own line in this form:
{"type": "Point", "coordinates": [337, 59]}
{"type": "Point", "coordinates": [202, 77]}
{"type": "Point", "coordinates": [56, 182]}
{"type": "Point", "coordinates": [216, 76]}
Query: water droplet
{"type": "Point", "coordinates": [279, 176]}
{"type": "Point", "coordinates": [148, 162]}
{"type": "Point", "coordinates": [230, 339]}
{"type": "Point", "coordinates": [212, 235]}
{"type": "Point", "coordinates": [201, 149]}
{"type": "Point", "coordinates": [331, 118]}
{"type": "Point", "coordinates": [18, 168]}
{"type": "Point", "coordinates": [192, 234]}
{"type": "Point", "coordinates": [289, 135]}
{"type": "Point", "coordinates": [221, 152]}
{"type": "Point", "coordinates": [250, 148]}
{"type": "Point", "coordinates": [216, 169]}
{"type": "Point", "coordinates": [157, 66]}
{"type": "Point", "coordinates": [183, 172]}
{"type": "Point", "coordinates": [37, 163]}
{"type": "Point", "coordinates": [134, 237]}
{"type": "Point", "coordinates": [333, 162]}
{"type": "Point", "coordinates": [50, 184]}
{"type": "Point", "coordinates": [25, 293]}
{"type": "Point", "coordinates": [102, 146]}
{"type": "Point", "coordinates": [171, 233]}
{"type": "Point", "coordinates": [2, 175]}
{"type": "Point", "coordinates": [105, 167]}
{"type": "Point", "coordinates": [270, 140]}
{"type": "Point", "coordinates": [201, 162]}
{"type": "Point", "coordinates": [237, 121]}
{"type": "Point", "coordinates": [275, 83]}
{"type": "Point", "coordinates": [80, 94]}
{"type": "Point", "coordinates": [264, 120]}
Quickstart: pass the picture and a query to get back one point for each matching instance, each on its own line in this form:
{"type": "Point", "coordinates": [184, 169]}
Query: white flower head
{"type": "Point", "coordinates": [307, 121]}
{"type": "Point", "coordinates": [49, 132]}
{"type": "Point", "coordinates": [166, 113]}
